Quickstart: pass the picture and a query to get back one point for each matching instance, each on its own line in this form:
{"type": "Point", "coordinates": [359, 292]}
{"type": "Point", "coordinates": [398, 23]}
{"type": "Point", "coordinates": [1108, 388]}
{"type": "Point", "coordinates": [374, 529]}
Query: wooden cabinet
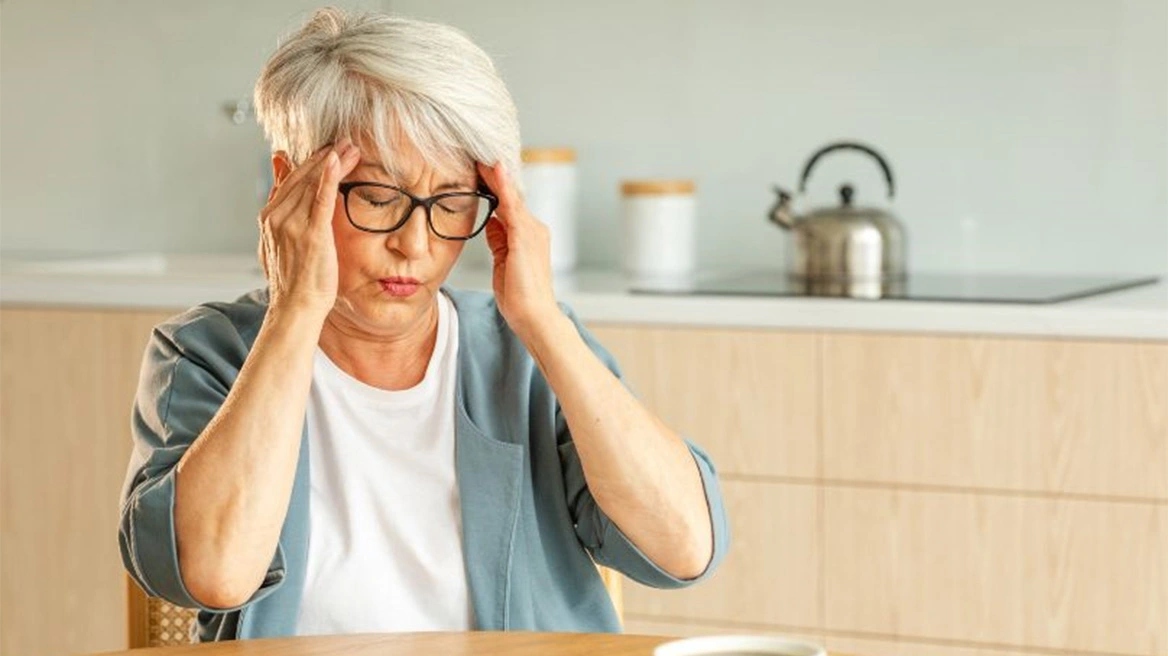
{"type": "Point", "coordinates": [913, 494]}
{"type": "Point", "coordinates": [67, 381]}
{"type": "Point", "coordinates": [1042, 416]}
{"type": "Point", "coordinates": [750, 397]}
{"type": "Point", "coordinates": [1074, 574]}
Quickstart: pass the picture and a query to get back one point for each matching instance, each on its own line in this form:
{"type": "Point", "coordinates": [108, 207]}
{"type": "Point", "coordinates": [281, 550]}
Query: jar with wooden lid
{"type": "Point", "coordinates": [549, 180]}
{"type": "Point", "coordinates": [659, 222]}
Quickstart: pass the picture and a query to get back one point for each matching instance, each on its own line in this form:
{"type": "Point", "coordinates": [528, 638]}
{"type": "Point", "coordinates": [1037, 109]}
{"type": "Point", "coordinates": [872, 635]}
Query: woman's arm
{"type": "Point", "coordinates": [233, 484]}
{"type": "Point", "coordinates": [641, 474]}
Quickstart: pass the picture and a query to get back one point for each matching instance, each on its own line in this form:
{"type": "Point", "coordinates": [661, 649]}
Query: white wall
{"type": "Point", "coordinates": [1027, 135]}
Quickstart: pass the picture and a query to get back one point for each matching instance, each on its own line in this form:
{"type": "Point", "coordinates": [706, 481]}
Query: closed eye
{"type": "Point", "coordinates": [458, 204]}
{"type": "Point", "coordinates": [378, 197]}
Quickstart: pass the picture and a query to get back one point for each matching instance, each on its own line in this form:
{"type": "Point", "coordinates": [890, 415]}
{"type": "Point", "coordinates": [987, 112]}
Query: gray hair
{"type": "Point", "coordinates": [381, 78]}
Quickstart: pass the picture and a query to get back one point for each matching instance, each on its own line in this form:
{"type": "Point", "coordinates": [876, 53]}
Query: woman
{"type": "Point", "coordinates": [359, 448]}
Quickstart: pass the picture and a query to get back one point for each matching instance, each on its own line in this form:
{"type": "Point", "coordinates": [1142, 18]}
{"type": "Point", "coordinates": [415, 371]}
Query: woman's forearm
{"type": "Point", "coordinates": [641, 474]}
{"type": "Point", "coordinates": [234, 482]}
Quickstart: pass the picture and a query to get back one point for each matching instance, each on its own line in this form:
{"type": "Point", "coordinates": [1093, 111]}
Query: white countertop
{"type": "Point", "coordinates": [176, 282]}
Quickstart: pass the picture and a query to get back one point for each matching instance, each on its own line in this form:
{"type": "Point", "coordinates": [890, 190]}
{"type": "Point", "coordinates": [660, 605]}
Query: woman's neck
{"type": "Point", "coordinates": [389, 362]}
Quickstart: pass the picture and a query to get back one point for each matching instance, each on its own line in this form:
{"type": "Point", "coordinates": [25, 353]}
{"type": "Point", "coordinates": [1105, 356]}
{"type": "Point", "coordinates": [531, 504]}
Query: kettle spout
{"type": "Point", "coordinates": [780, 213]}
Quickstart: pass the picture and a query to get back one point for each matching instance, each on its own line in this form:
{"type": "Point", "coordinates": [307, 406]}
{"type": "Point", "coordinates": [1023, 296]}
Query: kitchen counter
{"type": "Point", "coordinates": [155, 281]}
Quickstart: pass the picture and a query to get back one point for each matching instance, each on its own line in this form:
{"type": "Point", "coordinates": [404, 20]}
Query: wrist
{"type": "Point", "coordinates": [287, 306]}
{"type": "Point", "coordinates": [549, 330]}
{"type": "Point", "coordinates": [295, 319]}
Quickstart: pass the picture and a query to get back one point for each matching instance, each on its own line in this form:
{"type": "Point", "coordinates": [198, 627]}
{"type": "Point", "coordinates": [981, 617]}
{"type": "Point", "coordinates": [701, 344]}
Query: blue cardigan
{"type": "Point", "coordinates": [531, 529]}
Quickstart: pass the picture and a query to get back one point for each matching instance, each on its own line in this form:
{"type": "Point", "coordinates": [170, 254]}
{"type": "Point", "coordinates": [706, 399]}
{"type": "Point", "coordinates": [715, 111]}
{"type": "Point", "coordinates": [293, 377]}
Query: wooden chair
{"type": "Point", "coordinates": [153, 622]}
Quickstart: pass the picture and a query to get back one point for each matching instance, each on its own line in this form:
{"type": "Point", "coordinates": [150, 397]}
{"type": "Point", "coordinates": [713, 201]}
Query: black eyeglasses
{"type": "Point", "coordinates": [381, 208]}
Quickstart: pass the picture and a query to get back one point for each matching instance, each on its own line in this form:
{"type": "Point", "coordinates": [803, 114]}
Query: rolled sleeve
{"type": "Point", "coordinates": [182, 384]}
{"type": "Point", "coordinates": [150, 548]}
{"type": "Point", "coordinates": [609, 545]}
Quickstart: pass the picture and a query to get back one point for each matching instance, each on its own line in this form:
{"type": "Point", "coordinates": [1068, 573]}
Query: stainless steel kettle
{"type": "Point", "coordinates": [846, 250]}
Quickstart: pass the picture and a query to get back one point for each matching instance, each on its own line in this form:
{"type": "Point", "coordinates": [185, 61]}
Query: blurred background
{"type": "Point", "coordinates": [1026, 136]}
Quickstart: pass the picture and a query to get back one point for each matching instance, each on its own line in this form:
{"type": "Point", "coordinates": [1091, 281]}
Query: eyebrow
{"type": "Point", "coordinates": [396, 176]}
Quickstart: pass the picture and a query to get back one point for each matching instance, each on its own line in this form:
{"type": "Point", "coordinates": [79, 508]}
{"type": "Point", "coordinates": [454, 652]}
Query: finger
{"type": "Point", "coordinates": [290, 182]}
{"type": "Point", "coordinates": [497, 238]}
{"type": "Point", "coordinates": [301, 204]}
{"type": "Point", "coordinates": [325, 199]}
{"type": "Point", "coordinates": [503, 188]}
{"type": "Point", "coordinates": [350, 155]}
{"type": "Point", "coordinates": [336, 166]}
{"type": "Point", "coordinates": [312, 165]}
{"type": "Point", "coordinates": [290, 203]}
{"type": "Point", "coordinates": [262, 256]}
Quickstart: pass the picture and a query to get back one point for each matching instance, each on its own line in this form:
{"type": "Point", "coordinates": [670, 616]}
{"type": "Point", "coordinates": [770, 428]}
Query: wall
{"type": "Point", "coordinates": [115, 132]}
{"type": "Point", "coordinates": [1026, 136]}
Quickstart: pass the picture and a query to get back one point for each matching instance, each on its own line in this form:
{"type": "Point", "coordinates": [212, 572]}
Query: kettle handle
{"type": "Point", "coordinates": [848, 145]}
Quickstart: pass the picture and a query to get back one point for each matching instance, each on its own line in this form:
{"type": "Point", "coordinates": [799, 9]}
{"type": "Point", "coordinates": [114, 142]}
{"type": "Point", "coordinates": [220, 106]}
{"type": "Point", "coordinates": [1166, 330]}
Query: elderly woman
{"type": "Point", "coordinates": [358, 448]}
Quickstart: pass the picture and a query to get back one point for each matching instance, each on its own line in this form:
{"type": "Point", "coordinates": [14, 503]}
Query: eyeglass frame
{"type": "Point", "coordinates": [415, 202]}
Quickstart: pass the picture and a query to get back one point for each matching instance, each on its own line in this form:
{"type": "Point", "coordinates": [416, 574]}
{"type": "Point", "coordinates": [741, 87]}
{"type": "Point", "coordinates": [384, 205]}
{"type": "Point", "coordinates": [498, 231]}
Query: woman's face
{"type": "Point", "coordinates": [376, 293]}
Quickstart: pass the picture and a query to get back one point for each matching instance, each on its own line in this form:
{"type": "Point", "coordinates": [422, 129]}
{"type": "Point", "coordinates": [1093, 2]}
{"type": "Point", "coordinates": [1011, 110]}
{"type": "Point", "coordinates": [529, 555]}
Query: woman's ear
{"type": "Point", "coordinates": [281, 167]}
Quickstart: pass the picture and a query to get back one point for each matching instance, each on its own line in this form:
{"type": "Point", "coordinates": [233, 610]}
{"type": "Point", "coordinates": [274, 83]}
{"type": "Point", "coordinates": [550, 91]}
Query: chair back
{"type": "Point", "coordinates": [153, 622]}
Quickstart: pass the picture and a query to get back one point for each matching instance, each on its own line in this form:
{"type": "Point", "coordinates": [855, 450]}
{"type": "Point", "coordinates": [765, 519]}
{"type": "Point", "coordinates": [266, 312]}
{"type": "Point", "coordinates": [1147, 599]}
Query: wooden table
{"type": "Point", "coordinates": [472, 643]}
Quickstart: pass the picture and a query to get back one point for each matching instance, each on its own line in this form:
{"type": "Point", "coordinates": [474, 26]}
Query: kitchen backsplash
{"type": "Point", "coordinates": [1025, 136]}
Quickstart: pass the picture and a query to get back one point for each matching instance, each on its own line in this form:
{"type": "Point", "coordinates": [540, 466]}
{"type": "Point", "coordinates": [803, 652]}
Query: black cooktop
{"type": "Point", "coordinates": [985, 288]}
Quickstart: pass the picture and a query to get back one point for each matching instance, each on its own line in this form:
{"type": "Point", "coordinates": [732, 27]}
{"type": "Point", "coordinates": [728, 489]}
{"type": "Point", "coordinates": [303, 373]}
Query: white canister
{"type": "Point", "coordinates": [549, 181]}
{"type": "Point", "coordinates": [660, 222]}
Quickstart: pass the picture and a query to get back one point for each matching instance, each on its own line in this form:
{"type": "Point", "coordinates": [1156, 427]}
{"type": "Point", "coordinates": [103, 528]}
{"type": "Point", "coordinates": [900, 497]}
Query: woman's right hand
{"type": "Point", "coordinates": [297, 251]}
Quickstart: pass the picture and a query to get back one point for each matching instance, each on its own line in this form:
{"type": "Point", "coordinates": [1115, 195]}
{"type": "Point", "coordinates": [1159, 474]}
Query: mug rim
{"type": "Point", "coordinates": [720, 644]}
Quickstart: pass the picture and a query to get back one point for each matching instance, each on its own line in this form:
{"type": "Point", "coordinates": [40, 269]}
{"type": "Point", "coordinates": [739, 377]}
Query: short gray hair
{"type": "Point", "coordinates": [360, 75]}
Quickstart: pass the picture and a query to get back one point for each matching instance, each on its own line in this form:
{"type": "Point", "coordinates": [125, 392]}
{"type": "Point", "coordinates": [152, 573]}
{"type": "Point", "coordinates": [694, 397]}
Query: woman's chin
{"type": "Point", "coordinates": [391, 312]}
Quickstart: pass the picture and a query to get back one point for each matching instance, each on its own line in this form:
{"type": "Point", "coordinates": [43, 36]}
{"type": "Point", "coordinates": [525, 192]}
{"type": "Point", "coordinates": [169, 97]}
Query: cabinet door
{"type": "Point", "coordinates": [67, 381]}
{"type": "Point", "coordinates": [1049, 416]}
{"type": "Point", "coordinates": [1037, 572]}
{"type": "Point", "coordinates": [749, 397]}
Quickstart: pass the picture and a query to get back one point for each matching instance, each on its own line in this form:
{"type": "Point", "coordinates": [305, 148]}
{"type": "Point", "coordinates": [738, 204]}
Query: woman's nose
{"type": "Point", "coordinates": [413, 238]}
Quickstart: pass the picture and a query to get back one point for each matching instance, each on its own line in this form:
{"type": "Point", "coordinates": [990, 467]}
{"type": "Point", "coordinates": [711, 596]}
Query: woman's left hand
{"type": "Point", "coordinates": [521, 248]}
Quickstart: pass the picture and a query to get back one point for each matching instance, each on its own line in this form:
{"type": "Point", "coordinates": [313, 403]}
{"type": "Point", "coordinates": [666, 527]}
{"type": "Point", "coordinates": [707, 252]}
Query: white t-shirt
{"type": "Point", "coordinates": [385, 548]}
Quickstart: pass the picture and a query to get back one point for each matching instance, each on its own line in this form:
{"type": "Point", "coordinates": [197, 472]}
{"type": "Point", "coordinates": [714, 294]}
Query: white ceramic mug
{"type": "Point", "coordinates": [740, 645]}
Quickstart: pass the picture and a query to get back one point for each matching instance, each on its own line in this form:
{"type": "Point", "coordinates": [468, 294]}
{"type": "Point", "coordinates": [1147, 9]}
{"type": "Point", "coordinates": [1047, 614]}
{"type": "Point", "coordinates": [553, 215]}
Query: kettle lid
{"type": "Point", "coordinates": [848, 211]}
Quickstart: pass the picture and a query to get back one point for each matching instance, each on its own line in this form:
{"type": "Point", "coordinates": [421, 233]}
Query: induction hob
{"type": "Point", "coordinates": [983, 288]}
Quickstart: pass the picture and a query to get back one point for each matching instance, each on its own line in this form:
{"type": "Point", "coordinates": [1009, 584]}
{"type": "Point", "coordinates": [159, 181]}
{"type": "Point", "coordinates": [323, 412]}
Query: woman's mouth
{"type": "Point", "coordinates": [399, 287]}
